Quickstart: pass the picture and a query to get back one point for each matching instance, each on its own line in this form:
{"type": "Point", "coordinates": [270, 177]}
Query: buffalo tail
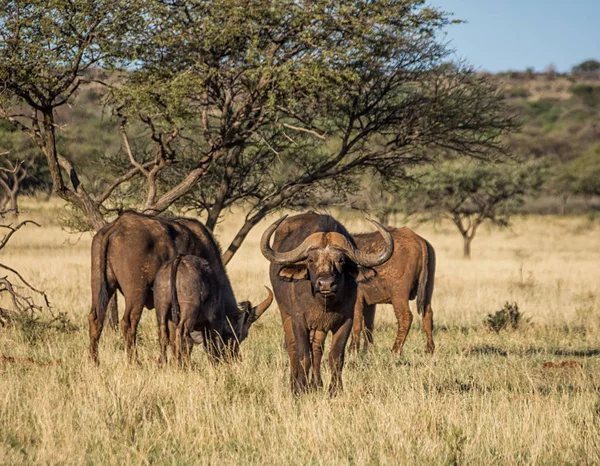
{"type": "Point", "coordinates": [175, 310]}
{"type": "Point", "coordinates": [425, 288]}
{"type": "Point", "coordinates": [103, 296]}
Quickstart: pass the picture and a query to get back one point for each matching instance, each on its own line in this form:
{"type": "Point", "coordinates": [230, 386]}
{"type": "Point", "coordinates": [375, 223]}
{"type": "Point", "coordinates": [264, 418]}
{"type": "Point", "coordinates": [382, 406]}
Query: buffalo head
{"type": "Point", "coordinates": [238, 323]}
{"type": "Point", "coordinates": [325, 258]}
{"type": "Point", "coordinates": [236, 329]}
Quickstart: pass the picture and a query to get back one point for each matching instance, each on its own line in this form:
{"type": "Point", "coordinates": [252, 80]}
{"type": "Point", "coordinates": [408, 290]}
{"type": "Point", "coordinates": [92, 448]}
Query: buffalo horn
{"type": "Point", "coordinates": [259, 309]}
{"type": "Point", "coordinates": [375, 259]}
{"type": "Point", "coordinates": [280, 258]}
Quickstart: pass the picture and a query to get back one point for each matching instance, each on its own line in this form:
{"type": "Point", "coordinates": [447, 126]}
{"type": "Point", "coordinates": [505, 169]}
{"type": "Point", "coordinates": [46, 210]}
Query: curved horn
{"type": "Point", "coordinates": [259, 309]}
{"type": "Point", "coordinates": [375, 259]}
{"type": "Point", "coordinates": [280, 258]}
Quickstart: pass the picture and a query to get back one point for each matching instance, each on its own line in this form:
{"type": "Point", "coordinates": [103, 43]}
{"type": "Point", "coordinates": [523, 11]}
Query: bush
{"type": "Point", "coordinates": [516, 93]}
{"type": "Point", "coordinates": [588, 66]}
{"type": "Point", "coordinates": [507, 317]}
{"type": "Point", "coordinates": [35, 329]}
{"type": "Point", "coordinates": [587, 93]}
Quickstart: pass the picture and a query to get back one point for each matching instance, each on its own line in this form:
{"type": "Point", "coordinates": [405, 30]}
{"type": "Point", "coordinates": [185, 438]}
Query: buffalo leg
{"type": "Point", "coordinates": [404, 317]}
{"type": "Point", "coordinates": [301, 336]}
{"type": "Point", "coordinates": [318, 345]}
{"type": "Point", "coordinates": [336, 356]}
{"type": "Point", "coordinates": [369, 324]}
{"type": "Point", "coordinates": [187, 343]}
{"type": "Point", "coordinates": [163, 337]}
{"type": "Point", "coordinates": [428, 327]}
{"type": "Point", "coordinates": [290, 346]}
{"type": "Point", "coordinates": [172, 332]}
{"type": "Point", "coordinates": [96, 324]}
{"type": "Point", "coordinates": [357, 327]}
{"type": "Point", "coordinates": [129, 325]}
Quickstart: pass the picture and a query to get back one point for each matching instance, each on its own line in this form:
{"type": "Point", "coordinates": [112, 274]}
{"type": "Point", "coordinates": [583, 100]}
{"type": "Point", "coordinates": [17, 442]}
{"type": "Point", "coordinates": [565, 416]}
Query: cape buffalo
{"type": "Point", "coordinates": [314, 270]}
{"type": "Point", "coordinates": [409, 274]}
{"type": "Point", "coordinates": [127, 254]}
{"type": "Point", "coordinates": [189, 298]}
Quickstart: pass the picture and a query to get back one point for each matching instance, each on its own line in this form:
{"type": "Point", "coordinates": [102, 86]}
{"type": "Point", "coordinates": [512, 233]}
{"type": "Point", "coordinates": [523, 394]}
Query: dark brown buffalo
{"type": "Point", "coordinates": [409, 274]}
{"type": "Point", "coordinates": [189, 298]}
{"type": "Point", "coordinates": [314, 271]}
{"type": "Point", "coordinates": [126, 256]}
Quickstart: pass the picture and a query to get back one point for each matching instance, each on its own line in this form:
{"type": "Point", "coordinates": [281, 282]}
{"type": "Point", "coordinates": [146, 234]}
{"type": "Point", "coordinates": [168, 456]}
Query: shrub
{"type": "Point", "coordinates": [588, 66]}
{"type": "Point", "coordinates": [507, 317]}
{"type": "Point", "coordinates": [587, 93]}
{"type": "Point", "coordinates": [516, 93]}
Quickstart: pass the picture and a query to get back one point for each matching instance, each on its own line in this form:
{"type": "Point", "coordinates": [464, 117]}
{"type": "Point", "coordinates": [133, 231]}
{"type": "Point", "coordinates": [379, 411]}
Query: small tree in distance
{"type": "Point", "coordinates": [468, 194]}
{"type": "Point", "coordinates": [11, 176]}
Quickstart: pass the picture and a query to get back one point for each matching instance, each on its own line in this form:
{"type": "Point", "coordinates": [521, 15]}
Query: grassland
{"type": "Point", "coordinates": [483, 398]}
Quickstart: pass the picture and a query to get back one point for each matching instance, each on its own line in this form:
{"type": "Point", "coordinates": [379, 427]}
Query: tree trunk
{"type": "Point", "coordinates": [563, 204]}
{"type": "Point", "coordinates": [14, 207]}
{"type": "Point", "coordinates": [467, 246]}
{"type": "Point", "coordinates": [240, 237]}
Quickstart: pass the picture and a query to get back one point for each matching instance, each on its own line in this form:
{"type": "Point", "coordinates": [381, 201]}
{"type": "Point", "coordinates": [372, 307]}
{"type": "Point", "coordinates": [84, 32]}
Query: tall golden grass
{"type": "Point", "coordinates": [483, 398]}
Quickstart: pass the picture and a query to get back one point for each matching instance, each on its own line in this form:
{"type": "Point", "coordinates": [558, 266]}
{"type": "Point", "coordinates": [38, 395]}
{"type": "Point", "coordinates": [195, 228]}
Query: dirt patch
{"type": "Point", "coordinates": [29, 361]}
{"type": "Point", "coordinates": [549, 364]}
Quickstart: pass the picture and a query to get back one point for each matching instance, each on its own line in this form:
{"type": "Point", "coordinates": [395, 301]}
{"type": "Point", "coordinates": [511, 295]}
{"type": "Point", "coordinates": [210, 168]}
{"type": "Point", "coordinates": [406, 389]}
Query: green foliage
{"type": "Point", "coordinates": [509, 317]}
{"type": "Point", "coordinates": [35, 328]}
{"type": "Point", "coordinates": [516, 92]}
{"type": "Point", "coordinates": [586, 67]}
{"type": "Point", "coordinates": [472, 190]}
{"type": "Point", "coordinates": [42, 39]}
{"type": "Point", "coordinates": [588, 93]}
{"type": "Point", "coordinates": [266, 103]}
{"type": "Point", "coordinates": [17, 147]}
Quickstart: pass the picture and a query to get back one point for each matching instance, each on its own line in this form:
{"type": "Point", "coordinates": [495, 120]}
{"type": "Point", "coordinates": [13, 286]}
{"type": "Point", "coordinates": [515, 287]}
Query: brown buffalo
{"type": "Point", "coordinates": [314, 269]}
{"type": "Point", "coordinates": [126, 256]}
{"type": "Point", "coordinates": [409, 274]}
{"type": "Point", "coordinates": [190, 298]}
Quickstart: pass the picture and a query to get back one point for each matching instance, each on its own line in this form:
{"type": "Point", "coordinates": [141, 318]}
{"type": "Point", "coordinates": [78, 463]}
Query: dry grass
{"type": "Point", "coordinates": [483, 398]}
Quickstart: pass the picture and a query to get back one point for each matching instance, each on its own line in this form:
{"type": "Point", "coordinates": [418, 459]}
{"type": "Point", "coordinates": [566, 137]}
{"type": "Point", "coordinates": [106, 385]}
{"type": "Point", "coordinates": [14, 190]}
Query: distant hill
{"type": "Point", "coordinates": [560, 115]}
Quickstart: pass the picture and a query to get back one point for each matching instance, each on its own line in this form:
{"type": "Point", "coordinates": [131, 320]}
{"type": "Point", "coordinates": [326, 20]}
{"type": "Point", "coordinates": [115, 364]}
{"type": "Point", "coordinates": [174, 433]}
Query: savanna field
{"type": "Point", "coordinates": [483, 398]}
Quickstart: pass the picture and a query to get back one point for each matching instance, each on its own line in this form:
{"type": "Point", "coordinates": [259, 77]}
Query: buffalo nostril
{"type": "Point", "coordinates": [325, 283]}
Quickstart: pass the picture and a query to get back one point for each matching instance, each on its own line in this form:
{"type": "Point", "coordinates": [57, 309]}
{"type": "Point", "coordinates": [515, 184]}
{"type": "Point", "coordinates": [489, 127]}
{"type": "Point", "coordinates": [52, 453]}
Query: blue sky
{"type": "Point", "coordinates": [515, 34]}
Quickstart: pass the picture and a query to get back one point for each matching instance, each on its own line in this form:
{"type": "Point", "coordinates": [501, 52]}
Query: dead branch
{"type": "Point", "coordinates": [13, 230]}
{"type": "Point", "coordinates": [20, 301]}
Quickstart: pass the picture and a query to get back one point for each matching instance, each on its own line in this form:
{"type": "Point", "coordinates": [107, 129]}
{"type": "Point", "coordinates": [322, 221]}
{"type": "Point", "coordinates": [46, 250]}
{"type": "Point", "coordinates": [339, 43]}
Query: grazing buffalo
{"type": "Point", "coordinates": [314, 270]}
{"type": "Point", "coordinates": [126, 256]}
{"type": "Point", "coordinates": [407, 275]}
{"type": "Point", "coordinates": [190, 298]}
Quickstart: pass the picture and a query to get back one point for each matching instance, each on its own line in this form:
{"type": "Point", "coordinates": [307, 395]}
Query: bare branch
{"type": "Point", "coordinates": [304, 130]}
{"type": "Point", "coordinates": [13, 230]}
{"type": "Point", "coordinates": [139, 167]}
{"type": "Point", "coordinates": [99, 200]}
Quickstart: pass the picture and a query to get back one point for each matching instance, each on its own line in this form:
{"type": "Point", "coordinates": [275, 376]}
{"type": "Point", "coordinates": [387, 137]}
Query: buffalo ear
{"type": "Point", "coordinates": [365, 274]}
{"type": "Point", "coordinates": [293, 273]}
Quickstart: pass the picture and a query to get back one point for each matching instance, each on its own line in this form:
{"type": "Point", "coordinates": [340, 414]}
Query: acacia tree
{"type": "Point", "coordinates": [268, 103]}
{"type": "Point", "coordinates": [45, 49]}
{"type": "Point", "coordinates": [271, 103]}
{"type": "Point", "coordinates": [470, 193]}
{"type": "Point", "coordinates": [12, 175]}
